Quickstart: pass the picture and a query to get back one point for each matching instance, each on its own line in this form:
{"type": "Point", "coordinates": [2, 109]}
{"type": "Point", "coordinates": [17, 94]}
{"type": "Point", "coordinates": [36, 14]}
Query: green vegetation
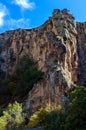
{"type": "Point", "coordinates": [1, 111]}
{"type": "Point", "coordinates": [17, 86]}
{"type": "Point", "coordinates": [76, 113]}
{"type": "Point", "coordinates": [26, 75]}
{"type": "Point", "coordinates": [12, 117]}
{"type": "Point", "coordinates": [46, 118]}
{"type": "Point", "coordinates": [74, 118]}
{"type": "Point", "coordinates": [37, 118]}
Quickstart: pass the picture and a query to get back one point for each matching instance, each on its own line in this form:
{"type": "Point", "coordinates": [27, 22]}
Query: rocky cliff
{"type": "Point", "coordinates": [59, 49]}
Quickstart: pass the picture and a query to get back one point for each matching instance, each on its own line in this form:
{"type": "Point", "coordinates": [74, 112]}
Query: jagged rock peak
{"type": "Point", "coordinates": [62, 12]}
{"type": "Point", "coordinates": [58, 47]}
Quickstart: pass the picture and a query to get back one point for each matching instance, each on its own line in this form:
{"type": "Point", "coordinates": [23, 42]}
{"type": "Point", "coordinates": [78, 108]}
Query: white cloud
{"type": "Point", "coordinates": [25, 4]}
{"type": "Point", "coordinates": [1, 18]}
{"type": "Point", "coordinates": [19, 23]}
{"type": "Point", "coordinates": [3, 12]}
{"type": "Point", "coordinates": [8, 23]}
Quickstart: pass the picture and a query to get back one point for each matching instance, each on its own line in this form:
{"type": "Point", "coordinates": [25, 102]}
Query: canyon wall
{"type": "Point", "coordinates": [58, 47]}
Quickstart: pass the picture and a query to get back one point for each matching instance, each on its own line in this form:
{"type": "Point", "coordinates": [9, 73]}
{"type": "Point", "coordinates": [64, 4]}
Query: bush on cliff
{"type": "Point", "coordinates": [27, 73]}
{"type": "Point", "coordinates": [24, 78]}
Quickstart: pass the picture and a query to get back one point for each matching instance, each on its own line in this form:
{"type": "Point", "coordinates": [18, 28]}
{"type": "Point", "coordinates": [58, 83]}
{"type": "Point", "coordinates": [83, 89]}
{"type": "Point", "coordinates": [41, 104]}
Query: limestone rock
{"type": "Point", "coordinates": [58, 47]}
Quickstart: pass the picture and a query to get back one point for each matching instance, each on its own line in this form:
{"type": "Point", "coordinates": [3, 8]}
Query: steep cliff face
{"type": "Point", "coordinates": [58, 47]}
{"type": "Point", "coordinates": [81, 50]}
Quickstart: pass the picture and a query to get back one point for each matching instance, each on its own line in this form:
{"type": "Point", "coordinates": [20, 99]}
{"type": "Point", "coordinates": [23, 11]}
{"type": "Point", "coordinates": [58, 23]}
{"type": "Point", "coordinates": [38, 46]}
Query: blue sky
{"type": "Point", "coordinates": [31, 13]}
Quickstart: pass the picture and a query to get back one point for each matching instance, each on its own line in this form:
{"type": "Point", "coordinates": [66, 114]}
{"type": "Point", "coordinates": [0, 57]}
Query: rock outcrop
{"type": "Point", "coordinates": [58, 47]}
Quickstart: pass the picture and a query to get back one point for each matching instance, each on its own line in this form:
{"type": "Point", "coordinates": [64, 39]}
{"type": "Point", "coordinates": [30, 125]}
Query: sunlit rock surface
{"type": "Point", "coordinates": [59, 49]}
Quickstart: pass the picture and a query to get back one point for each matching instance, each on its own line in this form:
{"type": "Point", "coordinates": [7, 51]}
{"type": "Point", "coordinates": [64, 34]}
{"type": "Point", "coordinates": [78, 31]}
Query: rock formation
{"type": "Point", "coordinates": [58, 47]}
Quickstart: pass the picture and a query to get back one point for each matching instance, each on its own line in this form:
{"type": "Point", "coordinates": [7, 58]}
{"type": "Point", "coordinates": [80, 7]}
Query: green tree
{"type": "Point", "coordinates": [27, 75]}
{"type": "Point", "coordinates": [22, 81]}
{"type": "Point", "coordinates": [76, 114]}
{"type": "Point", "coordinates": [12, 117]}
{"type": "Point", "coordinates": [74, 118]}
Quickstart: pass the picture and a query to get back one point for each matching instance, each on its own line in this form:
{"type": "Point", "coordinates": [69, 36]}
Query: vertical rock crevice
{"type": "Point", "coordinates": [57, 47]}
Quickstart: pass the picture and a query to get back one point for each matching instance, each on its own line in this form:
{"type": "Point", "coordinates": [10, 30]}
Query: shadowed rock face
{"type": "Point", "coordinates": [81, 50]}
{"type": "Point", "coordinates": [58, 46]}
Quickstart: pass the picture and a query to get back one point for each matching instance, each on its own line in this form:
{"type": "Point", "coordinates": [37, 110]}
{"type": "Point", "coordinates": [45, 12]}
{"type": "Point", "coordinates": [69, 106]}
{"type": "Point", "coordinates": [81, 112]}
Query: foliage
{"type": "Point", "coordinates": [73, 118]}
{"type": "Point", "coordinates": [1, 111]}
{"type": "Point", "coordinates": [24, 63]}
{"type": "Point", "coordinates": [30, 74]}
{"type": "Point", "coordinates": [29, 78]}
{"type": "Point", "coordinates": [10, 88]}
{"type": "Point", "coordinates": [37, 118]}
{"type": "Point", "coordinates": [51, 120]}
{"type": "Point", "coordinates": [76, 114]}
{"type": "Point", "coordinates": [44, 117]}
{"type": "Point", "coordinates": [24, 78]}
{"type": "Point", "coordinates": [12, 117]}
{"type": "Point", "coordinates": [3, 123]}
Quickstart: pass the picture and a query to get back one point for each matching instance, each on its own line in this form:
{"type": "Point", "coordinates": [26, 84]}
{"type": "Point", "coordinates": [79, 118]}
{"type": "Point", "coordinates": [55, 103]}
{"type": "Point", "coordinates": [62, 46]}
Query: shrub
{"type": "Point", "coordinates": [24, 63]}
{"type": "Point", "coordinates": [12, 117]}
{"type": "Point", "coordinates": [46, 118]}
{"type": "Point", "coordinates": [76, 114]}
{"type": "Point", "coordinates": [1, 111]}
{"type": "Point", "coordinates": [23, 80]}
{"type": "Point", "coordinates": [74, 118]}
{"type": "Point", "coordinates": [29, 78]}
{"type": "Point", "coordinates": [30, 75]}
{"type": "Point", "coordinates": [37, 118]}
{"type": "Point", "coordinates": [3, 123]}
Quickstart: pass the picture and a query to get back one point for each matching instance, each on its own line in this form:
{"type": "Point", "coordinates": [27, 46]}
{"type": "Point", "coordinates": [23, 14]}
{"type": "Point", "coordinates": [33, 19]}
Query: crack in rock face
{"type": "Point", "coordinates": [59, 50]}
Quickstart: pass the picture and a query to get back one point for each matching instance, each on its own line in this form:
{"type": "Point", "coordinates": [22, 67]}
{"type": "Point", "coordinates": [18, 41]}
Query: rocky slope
{"type": "Point", "coordinates": [58, 47]}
